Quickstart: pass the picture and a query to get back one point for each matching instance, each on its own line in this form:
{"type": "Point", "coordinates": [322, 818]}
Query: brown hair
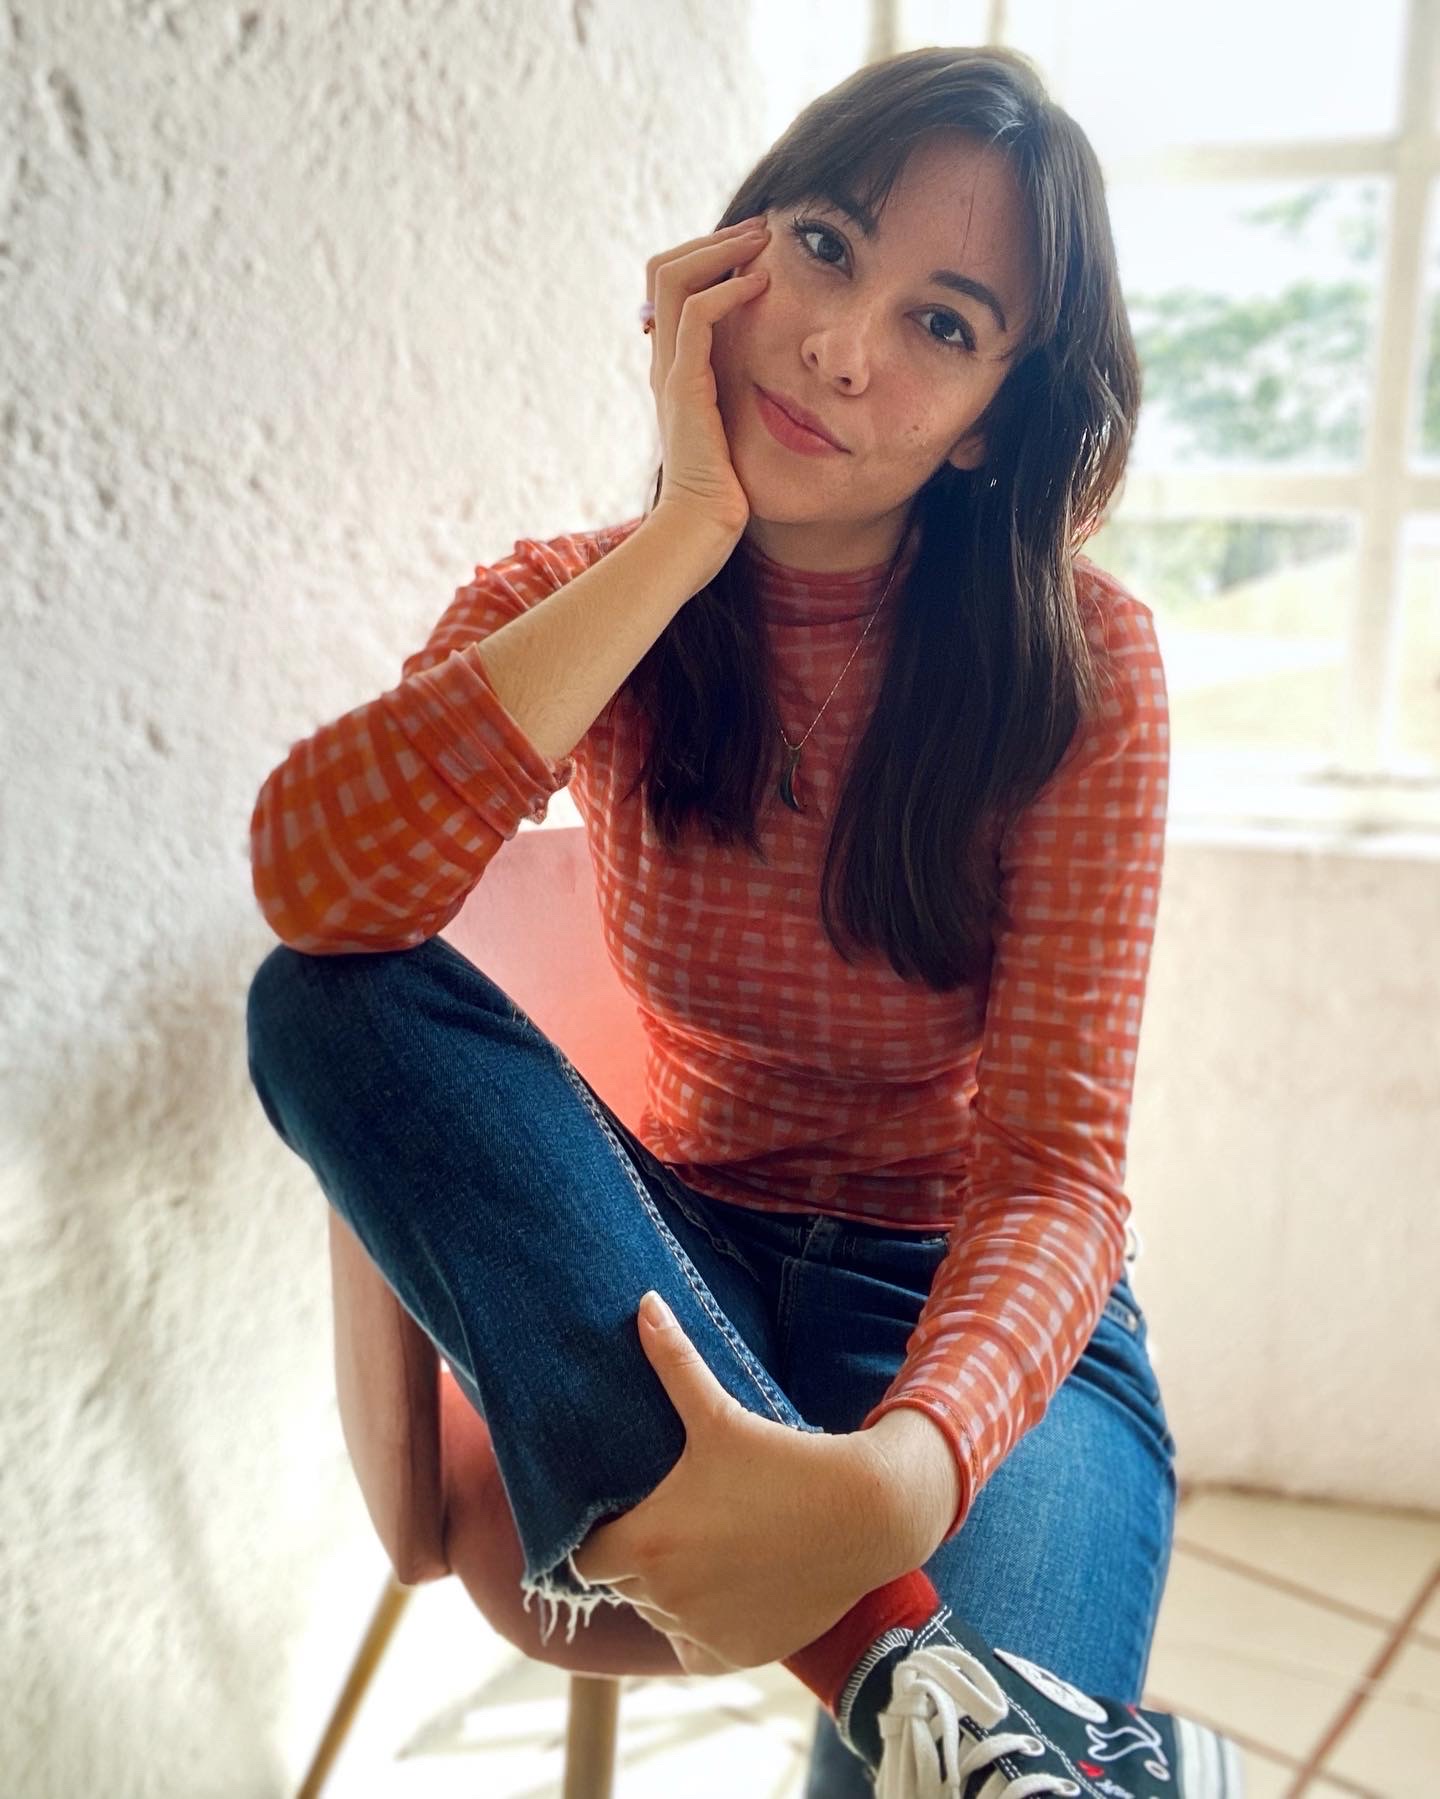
{"type": "Point", "coordinates": [989, 673]}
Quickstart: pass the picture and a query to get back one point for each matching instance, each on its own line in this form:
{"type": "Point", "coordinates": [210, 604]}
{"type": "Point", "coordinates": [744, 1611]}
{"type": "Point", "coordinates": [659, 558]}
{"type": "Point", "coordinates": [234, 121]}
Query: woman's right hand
{"type": "Point", "coordinates": [690, 293]}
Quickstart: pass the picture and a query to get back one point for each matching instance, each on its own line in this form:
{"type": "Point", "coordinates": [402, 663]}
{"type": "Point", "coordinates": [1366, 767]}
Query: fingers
{"type": "Point", "coordinates": [654, 1616]}
{"type": "Point", "coordinates": [703, 311]}
{"type": "Point", "coordinates": [676, 277]}
{"type": "Point", "coordinates": [696, 269]}
{"type": "Point", "coordinates": [630, 1588]}
{"type": "Point", "coordinates": [710, 241]}
{"type": "Point", "coordinates": [695, 1660]}
{"type": "Point", "coordinates": [692, 1657]}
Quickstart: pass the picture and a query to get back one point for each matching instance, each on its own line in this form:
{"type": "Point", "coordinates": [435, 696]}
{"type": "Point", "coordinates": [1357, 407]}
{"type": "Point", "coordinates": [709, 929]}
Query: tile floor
{"type": "Point", "coordinates": [1310, 1633]}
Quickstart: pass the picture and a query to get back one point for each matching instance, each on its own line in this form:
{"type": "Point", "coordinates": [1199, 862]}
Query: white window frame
{"type": "Point", "coordinates": [1358, 796]}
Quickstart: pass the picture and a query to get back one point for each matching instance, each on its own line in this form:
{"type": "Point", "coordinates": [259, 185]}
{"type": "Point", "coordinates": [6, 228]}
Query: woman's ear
{"type": "Point", "coordinates": [969, 452]}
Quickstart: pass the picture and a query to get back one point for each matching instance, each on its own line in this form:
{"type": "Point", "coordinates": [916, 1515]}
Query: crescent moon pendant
{"type": "Point", "coordinates": [787, 780]}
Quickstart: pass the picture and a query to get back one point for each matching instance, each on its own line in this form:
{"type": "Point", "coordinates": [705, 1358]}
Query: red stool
{"type": "Point", "coordinates": [421, 1454]}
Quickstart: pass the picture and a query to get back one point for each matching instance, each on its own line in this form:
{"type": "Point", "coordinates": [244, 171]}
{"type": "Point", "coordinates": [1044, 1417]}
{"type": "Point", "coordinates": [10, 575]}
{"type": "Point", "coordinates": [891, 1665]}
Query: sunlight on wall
{"type": "Point", "coordinates": [802, 50]}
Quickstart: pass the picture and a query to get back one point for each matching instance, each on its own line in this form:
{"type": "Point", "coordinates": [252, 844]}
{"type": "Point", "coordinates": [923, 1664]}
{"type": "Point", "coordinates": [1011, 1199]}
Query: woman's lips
{"type": "Point", "coordinates": [786, 431]}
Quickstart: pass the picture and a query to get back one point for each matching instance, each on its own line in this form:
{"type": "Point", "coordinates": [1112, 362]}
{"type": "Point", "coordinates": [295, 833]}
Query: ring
{"type": "Point", "coordinates": [647, 315]}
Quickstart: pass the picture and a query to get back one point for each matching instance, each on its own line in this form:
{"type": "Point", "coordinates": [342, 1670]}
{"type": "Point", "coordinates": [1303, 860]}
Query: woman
{"type": "Point", "coordinates": [886, 910]}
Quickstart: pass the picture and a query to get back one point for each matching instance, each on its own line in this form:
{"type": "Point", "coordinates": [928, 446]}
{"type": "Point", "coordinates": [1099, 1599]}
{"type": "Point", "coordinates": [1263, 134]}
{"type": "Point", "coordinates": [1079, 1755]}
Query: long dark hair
{"type": "Point", "coordinates": [989, 673]}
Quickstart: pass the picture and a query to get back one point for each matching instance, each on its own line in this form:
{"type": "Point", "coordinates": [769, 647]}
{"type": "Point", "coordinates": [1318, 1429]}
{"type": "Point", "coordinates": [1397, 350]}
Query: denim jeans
{"type": "Point", "coordinates": [519, 1222]}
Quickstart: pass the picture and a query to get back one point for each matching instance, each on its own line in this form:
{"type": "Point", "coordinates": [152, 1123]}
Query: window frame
{"type": "Point", "coordinates": [1357, 791]}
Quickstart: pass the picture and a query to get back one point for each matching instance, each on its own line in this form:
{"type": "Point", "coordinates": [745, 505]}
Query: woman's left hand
{"type": "Point", "coordinates": [759, 1538]}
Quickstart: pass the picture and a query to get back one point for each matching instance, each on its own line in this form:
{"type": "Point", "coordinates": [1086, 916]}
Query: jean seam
{"type": "Point", "coordinates": [1152, 1429]}
{"type": "Point", "coordinates": [1159, 1572]}
{"type": "Point", "coordinates": [1128, 1318]}
{"type": "Point", "coordinates": [722, 1245]}
{"type": "Point", "coordinates": [784, 1308]}
{"type": "Point", "coordinates": [774, 1398]}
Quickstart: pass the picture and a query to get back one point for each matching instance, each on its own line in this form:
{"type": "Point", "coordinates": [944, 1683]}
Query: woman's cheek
{"type": "Point", "coordinates": [728, 335]}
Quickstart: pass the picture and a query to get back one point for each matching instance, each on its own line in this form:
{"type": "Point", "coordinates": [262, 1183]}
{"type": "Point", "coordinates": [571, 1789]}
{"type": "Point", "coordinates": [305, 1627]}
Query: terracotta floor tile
{"type": "Point", "coordinates": [1393, 1745]}
{"type": "Point", "coordinates": [1237, 1654]}
{"type": "Point", "coordinates": [1374, 1559]}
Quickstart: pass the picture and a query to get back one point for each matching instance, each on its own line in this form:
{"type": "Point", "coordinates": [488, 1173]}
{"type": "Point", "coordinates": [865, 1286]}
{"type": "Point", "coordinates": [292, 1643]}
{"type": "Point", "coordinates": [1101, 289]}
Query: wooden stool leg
{"type": "Point", "coordinates": [367, 1659]}
{"type": "Point", "coordinates": [590, 1737]}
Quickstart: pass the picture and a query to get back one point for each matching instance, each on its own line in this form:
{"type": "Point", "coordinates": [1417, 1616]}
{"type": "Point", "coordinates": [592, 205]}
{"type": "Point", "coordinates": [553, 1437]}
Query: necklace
{"type": "Point", "coordinates": [786, 785]}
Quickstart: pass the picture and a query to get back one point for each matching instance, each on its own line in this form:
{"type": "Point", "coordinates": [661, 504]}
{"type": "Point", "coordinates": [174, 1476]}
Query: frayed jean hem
{"type": "Point", "coordinates": [562, 1583]}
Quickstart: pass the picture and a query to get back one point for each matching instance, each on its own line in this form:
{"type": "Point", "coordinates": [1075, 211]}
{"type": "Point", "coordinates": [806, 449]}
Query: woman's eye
{"type": "Point", "coordinates": [802, 229]}
{"type": "Point", "coordinates": [964, 341]}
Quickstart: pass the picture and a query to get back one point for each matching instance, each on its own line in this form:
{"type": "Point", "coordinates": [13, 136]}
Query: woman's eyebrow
{"type": "Point", "coordinates": [960, 284]}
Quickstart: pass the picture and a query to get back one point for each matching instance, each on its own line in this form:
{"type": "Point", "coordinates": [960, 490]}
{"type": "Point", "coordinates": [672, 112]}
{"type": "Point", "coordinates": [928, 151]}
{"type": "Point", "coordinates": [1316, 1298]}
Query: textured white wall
{"type": "Point", "coordinates": [1285, 1167]}
{"type": "Point", "coordinates": [308, 309]}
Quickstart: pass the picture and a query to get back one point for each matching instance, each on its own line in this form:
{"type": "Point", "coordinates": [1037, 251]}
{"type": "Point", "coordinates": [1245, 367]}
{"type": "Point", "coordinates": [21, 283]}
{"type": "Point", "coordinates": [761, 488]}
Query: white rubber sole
{"type": "Point", "coordinates": [1210, 1766]}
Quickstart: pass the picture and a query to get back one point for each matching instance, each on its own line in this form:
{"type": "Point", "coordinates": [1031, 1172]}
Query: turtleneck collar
{"type": "Point", "coordinates": [801, 596]}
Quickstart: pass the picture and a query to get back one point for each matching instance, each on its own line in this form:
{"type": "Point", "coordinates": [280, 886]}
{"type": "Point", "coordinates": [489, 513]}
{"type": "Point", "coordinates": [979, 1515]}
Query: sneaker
{"type": "Point", "coordinates": [965, 1721]}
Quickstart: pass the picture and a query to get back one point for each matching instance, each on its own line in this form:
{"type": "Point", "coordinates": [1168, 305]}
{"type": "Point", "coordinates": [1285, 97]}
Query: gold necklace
{"type": "Point", "coordinates": [786, 785]}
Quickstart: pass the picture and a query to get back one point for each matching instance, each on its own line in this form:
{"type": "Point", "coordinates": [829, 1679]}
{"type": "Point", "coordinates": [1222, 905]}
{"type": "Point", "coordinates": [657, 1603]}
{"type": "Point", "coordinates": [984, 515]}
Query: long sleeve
{"type": "Point", "coordinates": [1041, 1238]}
{"type": "Point", "coordinates": [374, 830]}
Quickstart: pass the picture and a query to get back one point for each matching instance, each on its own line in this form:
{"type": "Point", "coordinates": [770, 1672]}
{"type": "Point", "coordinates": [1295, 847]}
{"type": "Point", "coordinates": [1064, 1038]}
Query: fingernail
{"type": "Point", "coordinates": [655, 1310]}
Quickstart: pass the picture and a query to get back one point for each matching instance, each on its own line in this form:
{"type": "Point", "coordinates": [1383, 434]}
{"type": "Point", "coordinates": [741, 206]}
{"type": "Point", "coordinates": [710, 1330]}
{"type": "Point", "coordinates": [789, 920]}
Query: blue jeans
{"type": "Point", "coordinates": [519, 1222]}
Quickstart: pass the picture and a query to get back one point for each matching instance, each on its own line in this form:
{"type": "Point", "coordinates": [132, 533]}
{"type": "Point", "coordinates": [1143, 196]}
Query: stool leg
{"type": "Point", "coordinates": [367, 1659]}
{"type": "Point", "coordinates": [590, 1737]}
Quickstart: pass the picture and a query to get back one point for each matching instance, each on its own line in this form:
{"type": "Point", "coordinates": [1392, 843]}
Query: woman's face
{"type": "Point", "coordinates": [895, 364]}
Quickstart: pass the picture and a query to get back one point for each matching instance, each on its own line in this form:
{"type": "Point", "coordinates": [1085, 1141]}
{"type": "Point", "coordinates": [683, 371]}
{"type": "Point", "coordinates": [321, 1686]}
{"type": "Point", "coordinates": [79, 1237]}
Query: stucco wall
{"type": "Point", "coordinates": [308, 309]}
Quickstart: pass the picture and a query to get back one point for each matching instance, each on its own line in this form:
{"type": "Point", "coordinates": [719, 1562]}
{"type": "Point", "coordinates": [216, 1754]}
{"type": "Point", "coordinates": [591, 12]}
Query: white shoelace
{"type": "Point", "coordinates": [931, 1688]}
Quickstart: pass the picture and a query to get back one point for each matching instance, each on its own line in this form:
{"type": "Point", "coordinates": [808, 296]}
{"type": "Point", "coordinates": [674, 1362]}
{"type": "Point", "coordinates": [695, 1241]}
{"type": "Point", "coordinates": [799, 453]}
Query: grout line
{"type": "Point", "coordinates": [1353, 1705]}
{"type": "Point", "coordinates": [1283, 1584]}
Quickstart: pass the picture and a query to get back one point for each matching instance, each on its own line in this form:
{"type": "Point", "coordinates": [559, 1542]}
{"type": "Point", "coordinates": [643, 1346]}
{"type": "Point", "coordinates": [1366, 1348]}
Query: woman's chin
{"type": "Point", "coordinates": [779, 496]}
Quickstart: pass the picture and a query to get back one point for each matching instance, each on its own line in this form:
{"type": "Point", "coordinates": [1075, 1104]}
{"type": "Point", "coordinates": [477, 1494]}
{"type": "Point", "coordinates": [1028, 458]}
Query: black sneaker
{"type": "Point", "coordinates": [965, 1721]}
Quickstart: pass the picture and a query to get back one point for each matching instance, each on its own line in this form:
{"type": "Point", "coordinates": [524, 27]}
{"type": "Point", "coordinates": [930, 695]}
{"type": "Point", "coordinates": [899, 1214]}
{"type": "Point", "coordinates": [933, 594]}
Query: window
{"type": "Point", "coordinates": [1277, 220]}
